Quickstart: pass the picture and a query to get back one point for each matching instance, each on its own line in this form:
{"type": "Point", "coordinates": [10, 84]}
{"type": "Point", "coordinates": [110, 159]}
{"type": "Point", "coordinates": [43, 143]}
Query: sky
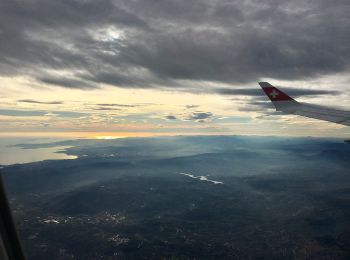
{"type": "Point", "coordinates": [141, 68]}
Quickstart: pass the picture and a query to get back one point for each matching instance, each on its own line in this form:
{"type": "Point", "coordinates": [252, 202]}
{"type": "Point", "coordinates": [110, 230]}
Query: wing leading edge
{"type": "Point", "coordinates": [288, 105]}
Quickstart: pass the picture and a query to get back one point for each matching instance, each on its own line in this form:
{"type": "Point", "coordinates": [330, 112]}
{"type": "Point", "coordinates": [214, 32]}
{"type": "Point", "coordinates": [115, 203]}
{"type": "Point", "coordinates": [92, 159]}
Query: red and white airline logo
{"type": "Point", "coordinates": [274, 94]}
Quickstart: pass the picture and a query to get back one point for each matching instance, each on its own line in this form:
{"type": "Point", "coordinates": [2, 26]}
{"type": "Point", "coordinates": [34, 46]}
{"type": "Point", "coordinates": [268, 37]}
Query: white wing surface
{"type": "Point", "coordinates": [288, 105]}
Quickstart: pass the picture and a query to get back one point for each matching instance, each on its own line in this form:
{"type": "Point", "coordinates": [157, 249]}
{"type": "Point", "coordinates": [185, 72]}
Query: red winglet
{"type": "Point", "coordinates": [274, 93]}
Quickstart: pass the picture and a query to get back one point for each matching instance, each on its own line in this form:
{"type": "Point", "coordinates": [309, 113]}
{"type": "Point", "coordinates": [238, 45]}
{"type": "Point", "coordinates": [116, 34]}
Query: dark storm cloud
{"type": "Point", "coordinates": [32, 101]}
{"type": "Point", "coordinates": [256, 92]}
{"type": "Point", "coordinates": [152, 43]}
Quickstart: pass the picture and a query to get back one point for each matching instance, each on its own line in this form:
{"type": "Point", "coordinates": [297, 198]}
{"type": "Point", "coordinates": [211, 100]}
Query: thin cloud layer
{"type": "Point", "coordinates": [256, 92]}
{"type": "Point", "coordinates": [117, 105]}
{"type": "Point", "coordinates": [32, 101]}
{"type": "Point", "coordinates": [162, 44]}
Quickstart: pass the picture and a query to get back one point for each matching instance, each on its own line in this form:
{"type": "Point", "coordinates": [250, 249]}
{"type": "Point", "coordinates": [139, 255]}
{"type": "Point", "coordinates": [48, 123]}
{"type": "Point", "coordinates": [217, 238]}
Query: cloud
{"type": "Point", "coordinates": [253, 106]}
{"type": "Point", "coordinates": [117, 105]}
{"type": "Point", "coordinates": [191, 106]}
{"type": "Point", "coordinates": [152, 44]}
{"type": "Point", "coordinates": [199, 116]}
{"type": "Point", "coordinates": [256, 92]}
{"type": "Point", "coordinates": [32, 101]}
{"type": "Point", "coordinates": [67, 82]}
{"type": "Point", "coordinates": [45, 124]}
{"type": "Point", "coordinates": [170, 117]}
{"type": "Point", "coordinates": [106, 108]}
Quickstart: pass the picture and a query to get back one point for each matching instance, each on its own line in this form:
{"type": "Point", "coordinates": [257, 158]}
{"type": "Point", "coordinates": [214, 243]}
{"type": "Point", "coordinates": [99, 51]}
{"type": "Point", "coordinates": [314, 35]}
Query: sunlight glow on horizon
{"type": "Point", "coordinates": [118, 112]}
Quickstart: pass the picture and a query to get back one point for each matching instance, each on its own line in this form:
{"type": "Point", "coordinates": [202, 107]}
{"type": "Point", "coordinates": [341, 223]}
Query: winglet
{"type": "Point", "coordinates": [273, 93]}
{"type": "Point", "coordinates": [280, 100]}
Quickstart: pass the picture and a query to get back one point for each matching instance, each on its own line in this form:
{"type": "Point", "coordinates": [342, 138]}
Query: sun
{"type": "Point", "coordinates": [109, 137]}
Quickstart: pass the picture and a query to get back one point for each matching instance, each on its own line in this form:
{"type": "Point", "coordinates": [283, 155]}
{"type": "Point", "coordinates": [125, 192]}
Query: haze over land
{"type": "Point", "coordinates": [129, 198]}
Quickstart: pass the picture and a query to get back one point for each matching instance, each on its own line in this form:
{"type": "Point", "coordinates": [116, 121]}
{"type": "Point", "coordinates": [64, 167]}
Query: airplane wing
{"type": "Point", "coordinates": [288, 105]}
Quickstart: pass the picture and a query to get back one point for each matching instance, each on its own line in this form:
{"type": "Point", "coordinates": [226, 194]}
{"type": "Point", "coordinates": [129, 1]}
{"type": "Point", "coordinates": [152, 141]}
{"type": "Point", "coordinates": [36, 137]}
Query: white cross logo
{"type": "Point", "coordinates": [274, 94]}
